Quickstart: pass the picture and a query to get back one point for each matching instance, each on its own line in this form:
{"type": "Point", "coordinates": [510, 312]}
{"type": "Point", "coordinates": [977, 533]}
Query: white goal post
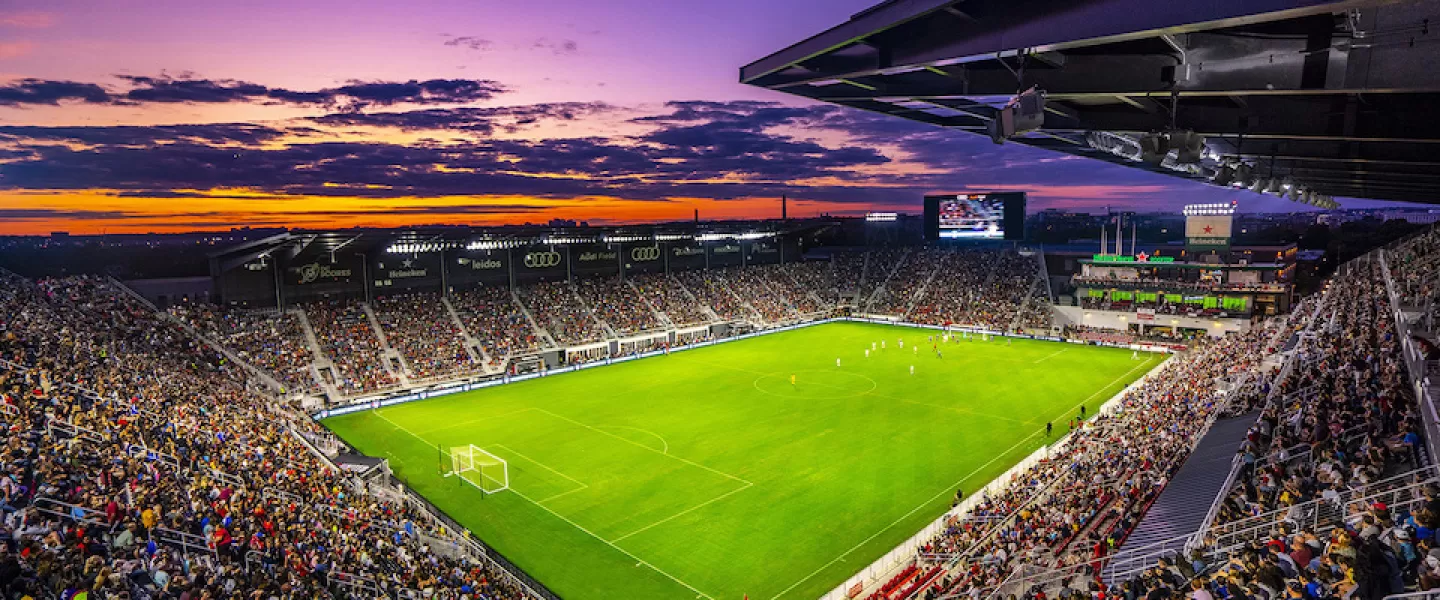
{"type": "Point", "coordinates": [479, 468]}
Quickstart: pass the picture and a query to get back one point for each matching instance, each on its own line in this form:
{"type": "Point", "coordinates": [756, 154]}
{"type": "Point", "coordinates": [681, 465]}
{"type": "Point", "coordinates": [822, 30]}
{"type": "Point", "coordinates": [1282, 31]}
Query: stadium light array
{"type": "Point", "coordinates": [420, 247]}
{"type": "Point", "coordinates": [1199, 210]}
{"type": "Point", "coordinates": [715, 237]}
{"type": "Point", "coordinates": [881, 217]}
{"type": "Point", "coordinates": [492, 244]}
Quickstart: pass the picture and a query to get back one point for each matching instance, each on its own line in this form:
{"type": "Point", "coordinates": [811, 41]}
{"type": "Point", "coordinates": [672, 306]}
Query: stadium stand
{"type": "Point", "coordinates": [669, 297]}
{"type": "Point", "coordinates": [491, 315]}
{"type": "Point", "coordinates": [556, 308]}
{"type": "Point", "coordinates": [712, 289]}
{"type": "Point", "coordinates": [347, 337]}
{"type": "Point", "coordinates": [141, 464]}
{"type": "Point", "coordinates": [617, 304]}
{"type": "Point", "coordinates": [1334, 494]}
{"type": "Point", "coordinates": [269, 339]}
{"type": "Point", "coordinates": [421, 329]}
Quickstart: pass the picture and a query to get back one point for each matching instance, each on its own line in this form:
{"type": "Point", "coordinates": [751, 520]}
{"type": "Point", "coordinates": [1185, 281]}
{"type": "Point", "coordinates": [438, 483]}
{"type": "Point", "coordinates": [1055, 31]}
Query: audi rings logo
{"type": "Point", "coordinates": [540, 260]}
{"type": "Point", "coordinates": [645, 253]}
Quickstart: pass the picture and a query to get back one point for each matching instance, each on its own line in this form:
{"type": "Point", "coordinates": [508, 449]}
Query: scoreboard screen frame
{"type": "Point", "coordinates": [1012, 221]}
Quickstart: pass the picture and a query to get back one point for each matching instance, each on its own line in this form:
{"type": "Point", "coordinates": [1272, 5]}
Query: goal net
{"type": "Point", "coordinates": [479, 468]}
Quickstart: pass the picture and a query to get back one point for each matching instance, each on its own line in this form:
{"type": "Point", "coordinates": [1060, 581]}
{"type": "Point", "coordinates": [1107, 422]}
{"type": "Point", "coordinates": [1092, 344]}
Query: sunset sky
{"type": "Point", "coordinates": [159, 115]}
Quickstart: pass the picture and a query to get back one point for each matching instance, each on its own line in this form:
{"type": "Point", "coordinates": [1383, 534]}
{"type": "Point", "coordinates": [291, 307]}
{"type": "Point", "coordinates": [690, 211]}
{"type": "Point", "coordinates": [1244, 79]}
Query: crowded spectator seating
{"type": "Point", "coordinates": [559, 310]}
{"type": "Point", "coordinates": [712, 288]}
{"type": "Point", "coordinates": [878, 265]}
{"type": "Point", "coordinates": [348, 339]}
{"type": "Point", "coordinates": [847, 271]}
{"type": "Point", "coordinates": [268, 339]}
{"type": "Point", "coordinates": [784, 281]}
{"type": "Point", "coordinates": [422, 330]}
{"type": "Point", "coordinates": [141, 464]}
{"type": "Point", "coordinates": [907, 285]}
{"type": "Point", "coordinates": [669, 297]}
{"type": "Point", "coordinates": [617, 304]}
{"type": "Point", "coordinates": [491, 315]}
{"type": "Point", "coordinates": [1075, 506]}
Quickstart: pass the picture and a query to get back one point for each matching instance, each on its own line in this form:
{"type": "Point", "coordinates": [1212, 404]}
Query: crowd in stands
{"type": "Point", "coordinates": [781, 281]}
{"type": "Point", "coordinates": [140, 464]}
{"type": "Point", "coordinates": [422, 330]}
{"type": "Point", "coordinates": [712, 289]}
{"type": "Point", "coordinates": [1415, 267]}
{"type": "Point", "coordinates": [667, 296]}
{"type": "Point", "coordinates": [348, 339]}
{"type": "Point", "coordinates": [493, 318]}
{"type": "Point", "coordinates": [815, 281]}
{"type": "Point", "coordinates": [990, 290]}
{"type": "Point", "coordinates": [556, 308]}
{"type": "Point", "coordinates": [618, 304]}
{"type": "Point", "coordinates": [1076, 506]}
{"type": "Point", "coordinates": [907, 284]}
{"type": "Point", "coordinates": [268, 339]}
{"type": "Point", "coordinates": [878, 265]}
{"type": "Point", "coordinates": [1328, 504]}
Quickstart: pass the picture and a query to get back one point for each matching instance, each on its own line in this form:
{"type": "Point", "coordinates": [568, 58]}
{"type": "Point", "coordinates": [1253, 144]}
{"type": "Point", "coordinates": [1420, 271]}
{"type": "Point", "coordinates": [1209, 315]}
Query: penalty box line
{"type": "Point", "coordinates": [577, 525]}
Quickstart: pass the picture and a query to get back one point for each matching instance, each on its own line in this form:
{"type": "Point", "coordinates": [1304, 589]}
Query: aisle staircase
{"type": "Point", "coordinates": [1181, 509]}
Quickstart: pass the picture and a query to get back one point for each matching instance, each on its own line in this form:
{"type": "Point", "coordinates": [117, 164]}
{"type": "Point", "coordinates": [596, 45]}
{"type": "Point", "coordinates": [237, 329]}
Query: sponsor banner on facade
{"type": "Point", "coordinates": [1208, 231]}
{"type": "Point", "coordinates": [684, 257]}
{"type": "Point", "coordinates": [597, 259]}
{"type": "Point", "coordinates": [405, 271]}
{"type": "Point", "coordinates": [492, 266]}
{"type": "Point", "coordinates": [763, 252]}
{"type": "Point", "coordinates": [321, 270]}
{"type": "Point", "coordinates": [545, 261]}
{"type": "Point", "coordinates": [725, 254]}
{"type": "Point", "coordinates": [643, 258]}
{"type": "Point", "coordinates": [1145, 315]}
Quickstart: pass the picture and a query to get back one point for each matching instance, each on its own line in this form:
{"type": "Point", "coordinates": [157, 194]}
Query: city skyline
{"type": "Point", "coordinates": [168, 116]}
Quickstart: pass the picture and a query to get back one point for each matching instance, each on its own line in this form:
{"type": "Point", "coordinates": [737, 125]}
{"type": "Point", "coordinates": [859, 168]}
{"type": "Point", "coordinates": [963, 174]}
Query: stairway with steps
{"type": "Point", "coordinates": [1181, 509]}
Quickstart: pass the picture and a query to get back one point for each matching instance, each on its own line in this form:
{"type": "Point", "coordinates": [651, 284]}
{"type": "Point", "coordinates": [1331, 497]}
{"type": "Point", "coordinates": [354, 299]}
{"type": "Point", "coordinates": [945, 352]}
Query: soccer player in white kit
{"type": "Point", "coordinates": [902, 343]}
{"type": "Point", "coordinates": [867, 354]}
{"type": "Point", "coordinates": [912, 369]}
{"type": "Point", "coordinates": [837, 361]}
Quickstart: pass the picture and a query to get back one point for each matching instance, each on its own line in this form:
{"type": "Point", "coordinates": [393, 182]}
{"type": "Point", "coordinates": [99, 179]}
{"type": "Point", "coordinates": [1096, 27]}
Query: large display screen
{"type": "Point", "coordinates": [993, 216]}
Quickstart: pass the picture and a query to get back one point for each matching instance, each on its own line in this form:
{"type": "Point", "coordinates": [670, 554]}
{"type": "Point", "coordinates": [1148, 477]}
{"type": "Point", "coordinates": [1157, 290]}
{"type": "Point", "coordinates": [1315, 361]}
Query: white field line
{"type": "Point", "coordinates": [639, 445]}
{"type": "Point", "coordinates": [922, 505]}
{"type": "Point", "coordinates": [688, 510]}
{"type": "Point", "coordinates": [582, 484]}
{"type": "Point", "coordinates": [612, 545]}
{"type": "Point", "coordinates": [637, 559]}
{"type": "Point", "coordinates": [657, 436]}
{"type": "Point", "coordinates": [1050, 356]}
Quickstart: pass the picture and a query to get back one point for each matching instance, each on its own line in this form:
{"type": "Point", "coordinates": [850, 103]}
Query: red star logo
{"type": "Point", "coordinates": [1209, 229]}
{"type": "Point", "coordinates": [1142, 257]}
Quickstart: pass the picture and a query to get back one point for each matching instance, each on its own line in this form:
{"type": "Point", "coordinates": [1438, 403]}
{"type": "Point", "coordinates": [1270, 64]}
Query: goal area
{"type": "Point", "coordinates": [479, 468]}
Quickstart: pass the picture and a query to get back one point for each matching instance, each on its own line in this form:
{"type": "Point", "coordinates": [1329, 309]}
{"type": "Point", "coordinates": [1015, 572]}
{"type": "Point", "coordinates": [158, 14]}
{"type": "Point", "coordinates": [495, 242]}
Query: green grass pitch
{"type": "Point", "coordinates": [705, 473]}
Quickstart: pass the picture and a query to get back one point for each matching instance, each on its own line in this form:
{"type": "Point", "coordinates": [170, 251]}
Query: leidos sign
{"type": "Point", "coordinates": [487, 264]}
{"type": "Point", "coordinates": [541, 260]}
{"type": "Point", "coordinates": [315, 271]}
{"type": "Point", "coordinates": [645, 253]}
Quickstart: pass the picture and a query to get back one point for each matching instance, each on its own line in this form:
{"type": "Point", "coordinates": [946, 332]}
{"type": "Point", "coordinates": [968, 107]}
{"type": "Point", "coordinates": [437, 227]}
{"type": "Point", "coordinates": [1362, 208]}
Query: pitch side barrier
{"type": "Point", "coordinates": [456, 387]}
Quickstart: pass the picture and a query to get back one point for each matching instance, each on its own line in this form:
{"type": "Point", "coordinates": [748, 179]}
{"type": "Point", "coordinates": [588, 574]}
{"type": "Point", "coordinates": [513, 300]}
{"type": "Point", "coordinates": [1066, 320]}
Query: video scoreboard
{"type": "Point", "coordinates": [977, 217]}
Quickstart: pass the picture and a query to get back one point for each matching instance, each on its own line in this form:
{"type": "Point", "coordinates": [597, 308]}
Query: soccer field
{"type": "Point", "coordinates": [706, 473]}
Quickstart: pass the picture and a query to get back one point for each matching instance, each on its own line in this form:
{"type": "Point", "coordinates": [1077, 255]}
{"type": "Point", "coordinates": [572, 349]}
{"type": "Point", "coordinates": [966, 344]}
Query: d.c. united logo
{"type": "Point", "coordinates": [645, 253]}
{"type": "Point", "coordinates": [540, 260]}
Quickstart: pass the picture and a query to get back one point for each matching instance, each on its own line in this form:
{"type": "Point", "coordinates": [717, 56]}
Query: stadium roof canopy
{"type": "Point", "coordinates": [1341, 96]}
